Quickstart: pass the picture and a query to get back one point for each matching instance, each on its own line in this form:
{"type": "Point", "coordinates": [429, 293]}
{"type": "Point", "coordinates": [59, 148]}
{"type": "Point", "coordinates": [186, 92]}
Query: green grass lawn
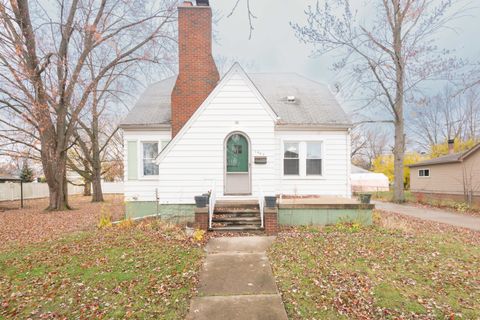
{"type": "Point", "coordinates": [388, 196]}
{"type": "Point", "coordinates": [147, 271]}
{"type": "Point", "coordinates": [377, 272]}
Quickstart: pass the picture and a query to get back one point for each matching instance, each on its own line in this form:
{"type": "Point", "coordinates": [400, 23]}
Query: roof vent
{"type": "Point", "coordinates": [290, 98]}
{"type": "Point", "coordinates": [203, 3]}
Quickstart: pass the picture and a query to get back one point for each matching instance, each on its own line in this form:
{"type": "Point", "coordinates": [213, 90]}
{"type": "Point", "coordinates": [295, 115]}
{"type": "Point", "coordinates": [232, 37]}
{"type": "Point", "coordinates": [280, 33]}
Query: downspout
{"type": "Point", "coordinates": [348, 182]}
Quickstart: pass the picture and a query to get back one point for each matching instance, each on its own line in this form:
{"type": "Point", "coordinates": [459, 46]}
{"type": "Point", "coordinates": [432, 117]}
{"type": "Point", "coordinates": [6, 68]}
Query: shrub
{"type": "Point", "coordinates": [198, 235]}
{"type": "Point", "coordinates": [461, 206]}
{"type": "Point", "coordinates": [376, 217]}
{"type": "Point", "coordinates": [105, 222]}
{"type": "Point", "coordinates": [126, 223]}
{"type": "Point", "coordinates": [105, 218]}
{"type": "Point", "coordinates": [347, 226]}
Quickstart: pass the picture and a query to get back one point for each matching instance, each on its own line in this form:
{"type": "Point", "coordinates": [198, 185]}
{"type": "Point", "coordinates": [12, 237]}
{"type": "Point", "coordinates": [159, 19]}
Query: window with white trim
{"type": "Point", "coordinates": [150, 152]}
{"type": "Point", "coordinates": [314, 159]}
{"type": "Point", "coordinates": [424, 173]}
{"type": "Point", "coordinates": [291, 159]}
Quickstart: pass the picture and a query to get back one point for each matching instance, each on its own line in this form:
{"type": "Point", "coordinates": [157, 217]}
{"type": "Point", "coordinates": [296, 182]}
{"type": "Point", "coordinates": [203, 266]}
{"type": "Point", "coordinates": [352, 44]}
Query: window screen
{"type": "Point", "coordinates": [314, 158]}
{"type": "Point", "coordinates": [291, 161]}
{"type": "Point", "coordinates": [150, 152]}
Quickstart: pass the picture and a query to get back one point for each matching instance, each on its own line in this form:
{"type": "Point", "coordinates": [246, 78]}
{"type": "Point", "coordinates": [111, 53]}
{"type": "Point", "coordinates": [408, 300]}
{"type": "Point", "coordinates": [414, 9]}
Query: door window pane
{"type": "Point", "coordinates": [150, 152]}
{"type": "Point", "coordinates": [237, 153]}
{"type": "Point", "coordinates": [291, 161]}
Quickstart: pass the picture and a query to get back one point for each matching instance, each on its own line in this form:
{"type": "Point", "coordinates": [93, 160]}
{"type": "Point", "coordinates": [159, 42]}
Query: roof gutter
{"type": "Point", "coordinates": [302, 127]}
{"type": "Point", "coordinates": [432, 164]}
{"type": "Point", "coordinates": [144, 127]}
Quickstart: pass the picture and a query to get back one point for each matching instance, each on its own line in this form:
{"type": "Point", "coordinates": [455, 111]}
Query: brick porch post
{"type": "Point", "coordinates": [201, 218]}
{"type": "Point", "coordinates": [271, 220]}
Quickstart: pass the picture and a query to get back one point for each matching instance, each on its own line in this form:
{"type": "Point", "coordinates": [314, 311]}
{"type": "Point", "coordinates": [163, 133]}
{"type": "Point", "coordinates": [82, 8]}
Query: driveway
{"type": "Point", "coordinates": [437, 215]}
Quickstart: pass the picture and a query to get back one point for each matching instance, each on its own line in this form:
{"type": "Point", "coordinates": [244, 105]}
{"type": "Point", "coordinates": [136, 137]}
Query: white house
{"type": "Point", "coordinates": [242, 136]}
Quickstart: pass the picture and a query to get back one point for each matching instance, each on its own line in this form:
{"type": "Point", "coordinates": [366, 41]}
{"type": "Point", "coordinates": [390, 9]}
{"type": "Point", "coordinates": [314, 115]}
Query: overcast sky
{"type": "Point", "coordinates": [274, 47]}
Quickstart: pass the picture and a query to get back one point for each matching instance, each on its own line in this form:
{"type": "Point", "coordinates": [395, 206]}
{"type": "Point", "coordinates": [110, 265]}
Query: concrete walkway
{"type": "Point", "coordinates": [437, 215]}
{"type": "Point", "coordinates": [236, 282]}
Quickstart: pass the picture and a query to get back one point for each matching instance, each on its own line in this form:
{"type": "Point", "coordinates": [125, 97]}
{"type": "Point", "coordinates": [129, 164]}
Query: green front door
{"type": "Point", "coordinates": [237, 175]}
{"type": "Point", "coordinates": [237, 153]}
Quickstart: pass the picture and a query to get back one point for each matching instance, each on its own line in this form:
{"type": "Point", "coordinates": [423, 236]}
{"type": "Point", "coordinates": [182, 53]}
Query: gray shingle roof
{"type": "Point", "coordinates": [314, 103]}
{"type": "Point", "coordinates": [455, 157]}
{"type": "Point", "coordinates": [153, 106]}
{"type": "Point", "coordinates": [449, 158]}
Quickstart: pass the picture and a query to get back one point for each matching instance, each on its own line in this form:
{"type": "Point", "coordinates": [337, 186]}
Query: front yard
{"type": "Point", "coordinates": [143, 271]}
{"type": "Point", "coordinates": [60, 265]}
{"type": "Point", "coordinates": [399, 268]}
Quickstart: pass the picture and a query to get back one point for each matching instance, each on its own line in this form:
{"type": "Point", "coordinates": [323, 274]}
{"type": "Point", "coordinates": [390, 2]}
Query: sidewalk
{"type": "Point", "coordinates": [437, 215]}
{"type": "Point", "coordinates": [237, 283]}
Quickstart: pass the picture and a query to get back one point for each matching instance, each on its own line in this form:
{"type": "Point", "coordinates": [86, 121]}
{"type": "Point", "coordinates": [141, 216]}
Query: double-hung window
{"type": "Point", "coordinates": [314, 159]}
{"type": "Point", "coordinates": [291, 159]}
{"type": "Point", "coordinates": [424, 173]}
{"type": "Point", "coordinates": [150, 152]}
{"type": "Point", "coordinates": [303, 159]}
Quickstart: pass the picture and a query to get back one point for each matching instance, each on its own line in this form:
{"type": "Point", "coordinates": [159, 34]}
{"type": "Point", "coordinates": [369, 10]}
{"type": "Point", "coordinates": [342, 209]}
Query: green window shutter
{"type": "Point", "coordinates": [132, 160]}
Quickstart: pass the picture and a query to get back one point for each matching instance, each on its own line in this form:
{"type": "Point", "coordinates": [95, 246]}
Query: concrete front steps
{"type": "Point", "coordinates": [236, 215]}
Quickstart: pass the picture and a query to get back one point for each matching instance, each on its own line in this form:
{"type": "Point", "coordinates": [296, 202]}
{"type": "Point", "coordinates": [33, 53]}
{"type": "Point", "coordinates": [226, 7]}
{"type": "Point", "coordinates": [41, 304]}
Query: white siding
{"type": "Point", "coordinates": [335, 179]}
{"type": "Point", "coordinates": [196, 162]}
{"type": "Point", "coordinates": [142, 189]}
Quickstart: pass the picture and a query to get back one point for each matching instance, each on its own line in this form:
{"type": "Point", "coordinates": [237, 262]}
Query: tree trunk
{"type": "Point", "coordinates": [87, 188]}
{"type": "Point", "coordinates": [57, 186]}
{"type": "Point", "coordinates": [96, 160]}
{"type": "Point", "coordinates": [399, 155]}
{"type": "Point", "coordinates": [399, 147]}
{"type": "Point", "coordinates": [54, 164]}
{"type": "Point", "coordinates": [97, 195]}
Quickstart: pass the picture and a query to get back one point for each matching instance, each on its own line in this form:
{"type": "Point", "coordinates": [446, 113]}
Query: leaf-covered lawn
{"type": "Point", "coordinates": [398, 269]}
{"type": "Point", "coordinates": [148, 271]}
{"type": "Point", "coordinates": [33, 224]}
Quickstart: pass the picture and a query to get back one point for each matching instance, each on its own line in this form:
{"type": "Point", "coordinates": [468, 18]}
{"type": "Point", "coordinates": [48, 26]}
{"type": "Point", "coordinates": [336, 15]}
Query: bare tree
{"type": "Point", "coordinates": [372, 142]}
{"type": "Point", "coordinates": [472, 113]}
{"type": "Point", "coordinates": [43, 56]}
{"type": "Point", "coordinates": [251, 16]}
{"type": "Point", "coordinates": [470, 179]}
{"type": "Point", "coordinates": [387, 55]}
{"type": "Point", "coordinates": [451, 114]}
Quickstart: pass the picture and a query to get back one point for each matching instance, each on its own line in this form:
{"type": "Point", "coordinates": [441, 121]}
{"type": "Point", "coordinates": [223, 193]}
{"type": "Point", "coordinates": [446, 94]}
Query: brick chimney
{"type": "Point", "coordinates": [198, 74]}
{"type": "Point", "coordinates": [451, 145]}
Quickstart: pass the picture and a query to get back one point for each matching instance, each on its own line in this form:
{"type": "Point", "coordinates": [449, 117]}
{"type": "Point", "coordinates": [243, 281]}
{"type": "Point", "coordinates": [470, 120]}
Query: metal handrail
{"type": "Point", "coordinates": [211, 205]}
{"type": "Point", "coordinates": [261, 204]}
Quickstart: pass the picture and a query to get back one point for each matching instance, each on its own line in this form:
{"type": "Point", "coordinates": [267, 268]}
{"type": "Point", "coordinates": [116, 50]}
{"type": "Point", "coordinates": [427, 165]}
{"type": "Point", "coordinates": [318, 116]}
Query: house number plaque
{"type": "Point", "coordinates": [260, 160]}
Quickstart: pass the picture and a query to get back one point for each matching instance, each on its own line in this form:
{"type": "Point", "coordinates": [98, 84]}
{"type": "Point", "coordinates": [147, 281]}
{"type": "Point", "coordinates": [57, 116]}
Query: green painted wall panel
{"type": "Point", "coordinates": [132, 160]}
{"type": "Point", "coordinates": [177, 213]}
{"type": "Point", "coordinates": [320, 216]}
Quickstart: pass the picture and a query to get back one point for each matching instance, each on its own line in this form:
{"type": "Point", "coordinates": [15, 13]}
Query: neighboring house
{"type": "Point", "coordinates": [455, 176]}
{"type": "Point", "coordinates": [367, 181]}
{"type": "Point", "coordinates": [243, 136]}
